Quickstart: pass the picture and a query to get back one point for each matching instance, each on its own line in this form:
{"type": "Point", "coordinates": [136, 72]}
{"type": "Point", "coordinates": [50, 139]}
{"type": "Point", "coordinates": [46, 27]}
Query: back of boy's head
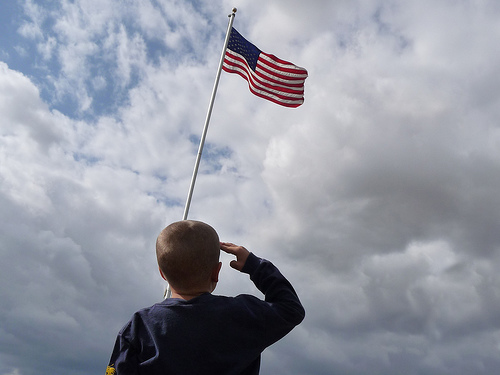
{"type": "Point", "coordinates": [187, 251]}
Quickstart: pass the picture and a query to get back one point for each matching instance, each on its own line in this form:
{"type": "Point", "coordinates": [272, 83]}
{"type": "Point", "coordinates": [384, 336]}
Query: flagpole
{"type": "Point", "coordinates": [209, 114]}
{"type": "Point", "coordinates": [168, 291]}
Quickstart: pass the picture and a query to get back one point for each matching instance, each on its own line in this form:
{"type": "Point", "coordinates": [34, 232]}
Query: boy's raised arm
{"type": "Point", "coordinates": [277, 290]}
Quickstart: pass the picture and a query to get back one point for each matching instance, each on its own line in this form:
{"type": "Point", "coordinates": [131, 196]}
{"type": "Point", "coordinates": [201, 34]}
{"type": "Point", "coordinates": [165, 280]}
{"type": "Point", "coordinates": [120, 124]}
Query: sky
{"type": "Point", "coordinates": [378, 198]}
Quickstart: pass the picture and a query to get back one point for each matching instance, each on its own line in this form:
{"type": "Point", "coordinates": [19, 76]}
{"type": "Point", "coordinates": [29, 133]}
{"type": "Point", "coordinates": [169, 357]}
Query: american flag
{"type": "Point", "coordinates": [268, 76]}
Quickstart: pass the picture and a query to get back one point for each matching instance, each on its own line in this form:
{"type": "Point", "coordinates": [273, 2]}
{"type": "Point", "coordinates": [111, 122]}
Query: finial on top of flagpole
{"type": "Point", "coordinates": [233, 12]}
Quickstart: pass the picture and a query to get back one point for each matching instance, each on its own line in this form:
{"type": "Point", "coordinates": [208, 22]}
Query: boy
{"type": "Point", "coordinates": [195, 332]}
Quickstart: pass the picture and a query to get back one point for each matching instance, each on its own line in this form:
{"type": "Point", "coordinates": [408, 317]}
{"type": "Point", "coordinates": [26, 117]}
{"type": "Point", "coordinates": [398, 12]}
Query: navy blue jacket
{"type": "Point", "coordinates": [210, 334]}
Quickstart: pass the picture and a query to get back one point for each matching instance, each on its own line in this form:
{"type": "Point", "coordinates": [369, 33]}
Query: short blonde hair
{"type": "Point", "coordinates": [187, 251]}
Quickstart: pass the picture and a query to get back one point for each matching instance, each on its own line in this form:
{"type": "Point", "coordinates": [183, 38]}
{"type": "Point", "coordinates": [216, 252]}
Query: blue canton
{"type": "Point", "coordinates": [243, 47]}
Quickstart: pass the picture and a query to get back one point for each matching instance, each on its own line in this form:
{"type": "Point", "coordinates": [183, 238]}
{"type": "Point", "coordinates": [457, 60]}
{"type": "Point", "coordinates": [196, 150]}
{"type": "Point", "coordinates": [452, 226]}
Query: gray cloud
{"type": "Point", "coordinates": [377, 198]}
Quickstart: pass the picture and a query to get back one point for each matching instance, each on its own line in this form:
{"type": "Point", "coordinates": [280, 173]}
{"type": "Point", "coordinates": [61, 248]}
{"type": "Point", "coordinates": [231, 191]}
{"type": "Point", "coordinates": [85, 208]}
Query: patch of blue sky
{"type": "Point", "coordinates": [9, 21]}
{"type": "Point", "coordinates": [22, 53]}
{"type": "Point", "coordinates": [166, 200]}
{"type": "Point", "coordinates": [87, 159]}
{"type": "Point", "coordinates": [105, 87]}
{"type": "Point", "coordinates": [161, 177]}
{"type": "Point", "coordinates": [212, 151]}
{"type": "Point", "coordinates": [156, 50]}
{"type": "Point", "coordinates": [36, 54]}
{"type": "Point", "coordinates": [19, 53]}
{"type": "Point", "coordinates": [385, 29]}
{"type": "Point", "coordinates": [162, 196]}
{"type": "Point", "coordinates": [187, 51]}
{"type": "Point", "coordinates": [66, 104]}
{"type": "Point", "coordinates": [213, 157]}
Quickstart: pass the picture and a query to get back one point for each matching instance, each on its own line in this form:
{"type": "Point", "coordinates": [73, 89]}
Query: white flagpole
{"type": "Point", "coordinates": [168, 291]}
{"type": "Point", "coordinates": [209, 113]}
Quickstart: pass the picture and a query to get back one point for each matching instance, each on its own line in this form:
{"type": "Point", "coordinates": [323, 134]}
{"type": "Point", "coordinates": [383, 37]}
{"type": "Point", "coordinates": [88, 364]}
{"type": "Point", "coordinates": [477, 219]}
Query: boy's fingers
{"type": "Point", "coordinates": [240, 252]}
{"type": "Point", "coordinates": [228, 247]}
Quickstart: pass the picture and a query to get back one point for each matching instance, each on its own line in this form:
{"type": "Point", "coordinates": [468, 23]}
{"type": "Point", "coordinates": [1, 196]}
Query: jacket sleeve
{"type": "Point", "coordinates": [279, 294]}
{"type": "Point", "coordinates": [124, 358]}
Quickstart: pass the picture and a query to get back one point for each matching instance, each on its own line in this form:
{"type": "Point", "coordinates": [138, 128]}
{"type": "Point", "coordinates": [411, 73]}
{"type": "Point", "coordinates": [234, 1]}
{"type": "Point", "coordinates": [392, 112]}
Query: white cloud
{"type": "Point", "coordinates": [52, 258]}
{"type": "Point", "coordinates": [33, 28]}
{"type": "Point", "coordinates": [377, 198]}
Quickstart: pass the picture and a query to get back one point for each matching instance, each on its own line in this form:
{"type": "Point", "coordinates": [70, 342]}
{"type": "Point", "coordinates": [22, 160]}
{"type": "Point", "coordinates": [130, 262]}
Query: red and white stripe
{"type": "Point", "coordinates": [273, 79]}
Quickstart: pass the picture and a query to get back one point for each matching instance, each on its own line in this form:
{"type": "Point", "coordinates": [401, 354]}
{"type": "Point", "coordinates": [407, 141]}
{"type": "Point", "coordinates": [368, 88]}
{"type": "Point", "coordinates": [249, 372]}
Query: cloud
{"type": "Point", "coordinates": [377, 198]}
{"type": "Point", "coordinates": [83, 39]}
{"type": "Point", "coordinates": [53, 273]}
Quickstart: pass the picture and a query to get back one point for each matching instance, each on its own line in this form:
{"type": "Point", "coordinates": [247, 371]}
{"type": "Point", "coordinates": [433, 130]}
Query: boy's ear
{"type": "Point", "coordinates": [215, 272]}
{"type": "Point", "coordinates": [161, 273]}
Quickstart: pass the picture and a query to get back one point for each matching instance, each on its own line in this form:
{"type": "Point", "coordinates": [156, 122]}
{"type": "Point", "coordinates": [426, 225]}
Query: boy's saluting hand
{"type": "Point", "coordinates": [240, 252]}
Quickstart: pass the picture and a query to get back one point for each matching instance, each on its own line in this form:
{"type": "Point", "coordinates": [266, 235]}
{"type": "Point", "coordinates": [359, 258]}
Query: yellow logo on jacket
{"type": "Point", "coordinates": [110, 370]}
